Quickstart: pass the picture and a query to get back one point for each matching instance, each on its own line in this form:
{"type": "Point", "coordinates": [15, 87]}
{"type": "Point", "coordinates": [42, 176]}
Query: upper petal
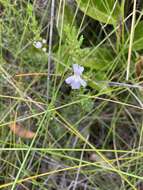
{"type": "Point", "coordinates": [77, 69]}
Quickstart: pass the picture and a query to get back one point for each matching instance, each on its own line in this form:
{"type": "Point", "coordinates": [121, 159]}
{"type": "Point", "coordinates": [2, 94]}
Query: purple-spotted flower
{"type": "Point", "coordinates": [75, 81]}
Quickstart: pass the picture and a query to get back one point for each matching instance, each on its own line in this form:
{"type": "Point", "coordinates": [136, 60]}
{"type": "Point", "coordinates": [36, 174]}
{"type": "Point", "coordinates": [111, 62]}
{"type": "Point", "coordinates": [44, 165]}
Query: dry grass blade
{"type": "Point", "coordinates": [21, 131]}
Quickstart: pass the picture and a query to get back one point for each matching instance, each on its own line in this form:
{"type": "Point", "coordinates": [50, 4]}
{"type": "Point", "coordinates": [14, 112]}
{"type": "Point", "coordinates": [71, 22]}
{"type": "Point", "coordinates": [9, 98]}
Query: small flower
{"type": "Point", "coordinates": [75, 81]}
{"type": "Point", "coordinates": [44, 41]}
{"type": "Point", "coordinates": [38, 45]}
{"type": "Point", "coordinates": [44, 49]}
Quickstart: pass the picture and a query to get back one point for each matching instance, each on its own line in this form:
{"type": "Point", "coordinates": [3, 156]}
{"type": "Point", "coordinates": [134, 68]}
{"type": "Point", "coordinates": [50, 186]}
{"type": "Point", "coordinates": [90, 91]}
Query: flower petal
{"type": "Point", "coordinates": [44, 41]}
{"type": "Point", "coordinates": [75, 81]}
{"type": "Point", "coordinates": [38, 44]}
{"type": "Point", "coordinates": [75, 85]}
{"type": "Point", "coordinates": [69, 80]}
{"type": "Point", "coordinates": [83, 82]}
{"type": "Point", "coordinates": [77, 69]}
{"type": "Point", "coordinates": [44, 49]}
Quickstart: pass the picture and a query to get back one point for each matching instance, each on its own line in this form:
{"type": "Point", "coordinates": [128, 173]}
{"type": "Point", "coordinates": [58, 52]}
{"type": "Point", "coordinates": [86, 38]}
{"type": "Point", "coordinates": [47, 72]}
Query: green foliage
{"type": "Point", "coordinates": [87, 104]}
{"type": "Point", "coordinates": [34, 62]}
{"type": "Point", "coordinates": [106, 11]}
{"type": "Point", "coordinates": [96, 58]}
{"type": "Point", "coordinates": [69, 52]}
{"type": "Point", "coordinates": [138, 37]}
{"type": "Point", "coordinates": [91, 58]}
{"type": "Point", "coordinates": [137, 40]}
{"type": "Point", "coordinates": [67, 19]}
{"type": "Point", "coordinates": [73, 127]}
{"type": "Point", "coordinates": [33, 24]}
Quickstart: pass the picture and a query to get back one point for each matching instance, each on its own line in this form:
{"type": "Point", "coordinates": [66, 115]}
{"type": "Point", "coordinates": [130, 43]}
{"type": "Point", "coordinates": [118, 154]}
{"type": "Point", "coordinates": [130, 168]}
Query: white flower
{"type": "Point", "coordinates": [75, 81]}
{"type": "Point", "coordinates": [38, 45]}
{"type": "Point", "coordinates": [44, 49]}
{"type": "Point", "coordinates": [44, 41]}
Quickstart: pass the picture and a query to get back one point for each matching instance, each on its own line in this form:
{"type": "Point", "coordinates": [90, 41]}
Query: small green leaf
{"type": "Point", "coordinates": [106, 11]}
